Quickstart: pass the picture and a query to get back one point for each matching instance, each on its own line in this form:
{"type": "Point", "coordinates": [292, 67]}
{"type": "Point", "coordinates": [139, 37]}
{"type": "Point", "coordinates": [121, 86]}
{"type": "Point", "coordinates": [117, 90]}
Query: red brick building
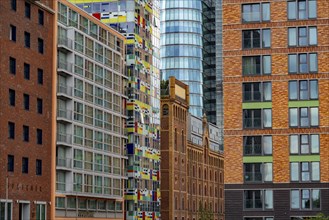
{"type": "Point", "coordinates": [192, 161]}
{"type": "Point", "coordinates": [27, 32]}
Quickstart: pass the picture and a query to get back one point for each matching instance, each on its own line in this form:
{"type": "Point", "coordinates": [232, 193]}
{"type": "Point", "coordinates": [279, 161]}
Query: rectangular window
{"type": "Point", "coordinates": [10, 163]}
{"type": "Point", "coordinates": [6, 210]}
{"type": "Point", "coordinates": [39, 106]}
{"type": "Point", "coordinates": [12, 34]}
{"type": "Point", "coordinates": [12, 65]}
{"type": "Point", "coordinates": [27, 39]}
{"type": "Point", "coordinates": [257, 92]}
{"type": "Point", "coordinates": [12, 99]}
{"type": "Point", "coordinates": [258, 199]}
{"type": "Point", "coordinates": [304, 117]}
{"type": "Point", "coordinates": [305, 199]}
{"type": "Point", "coordinates": [40, 76]}
{"type": "Point", "coordinates": [26, 133]}
{"type": "Point", "coordinates": [304, 144]}
{"type": "Point", "coordinates": [303, 90]}
{"type": "Point", "coordinates": [256, 12]}
{"type": "Point", "coordinates": [41, 212]}
{"type": "Point", "coordinates": [303, 63]}
{"type": "Point", "coordinates": [258, 172]}
{"type": "Point", "coordinates": [256, 65]}
{"type": "Point", "coordinates": [11, 130]}
{"type": "Point", "coordinates": [25, 165]}
{"type": "Point", "coordinates": [40, 17]}
{"type": "Point", "coordinates": [40, 46]}
{"type": "Point", "coordinates": [39, 136]}
{"type": "Point", "coordinates": [257, 118]}
{"type": "Point", "coordinates": [301, 9]}
{"type": "Point", "coordinates": [38, 167]}
{"type": "Point", "coordinates": [302, 36]}
{"type": "Point", "coordinates": [26, 71]}
{"type": "Point", "coordinates": [13, 4]}
{"type": "Point", "coordinates": [27, 10]}
{"type": "Point", "coordinates": [26, 99]}
{"type": "Point", "coordinates": [260, 38]}
{"type": "Point", "coordinates": [257, 145]}
{"type": "Point", "coordinates": [305, 171]}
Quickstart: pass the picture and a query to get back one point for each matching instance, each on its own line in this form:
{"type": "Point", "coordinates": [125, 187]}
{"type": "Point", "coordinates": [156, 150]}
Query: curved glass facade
{"type": "Point", "coordinates": [181, 47]}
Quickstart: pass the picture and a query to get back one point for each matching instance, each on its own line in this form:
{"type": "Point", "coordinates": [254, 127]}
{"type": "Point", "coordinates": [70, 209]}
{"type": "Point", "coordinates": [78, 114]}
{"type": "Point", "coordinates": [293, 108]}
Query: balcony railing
{"type": "Point", "coordinates": [66, 66]}
{"type": "Point", "coordinates": [63, 89]}
{"type": "Point", "coordinates": [64, 162]}
{"type": "Point", "coordinates": [68, 43]}
{"type": "Point", "coordinates": [63, 113]}
{"type": "Point", "coordinates": [64, 138]}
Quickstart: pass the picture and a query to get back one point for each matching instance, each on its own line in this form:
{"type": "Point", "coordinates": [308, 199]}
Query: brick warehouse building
{"type": "Point", "coordinates": [276, 81]}
{"type": "Point", "coordinates": [192, 163]}
{"type": "Point", "coordinates": [27, 27]}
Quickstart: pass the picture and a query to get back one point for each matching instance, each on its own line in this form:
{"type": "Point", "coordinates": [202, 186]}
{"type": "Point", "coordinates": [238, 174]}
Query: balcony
{"type": "Point", "coordinates": [64, 91]}
{"type": "Point", "coordinates": [63, 163]}
{"type": "Point", "coordinates": [64, 139]}
{"type": "Point", "coordinates": [65, 44]}
{"type": "Point", "coordinates": [64, 115]}
{"type": "Point", "coordinates": [64, 68]}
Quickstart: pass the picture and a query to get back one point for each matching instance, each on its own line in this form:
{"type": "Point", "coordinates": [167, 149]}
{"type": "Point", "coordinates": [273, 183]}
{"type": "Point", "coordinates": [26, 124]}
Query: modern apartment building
{"type": "Point", "coordinates": [26, 83]}
{"type": "Point", "coordinates": [139, 22]}
{"type": "Point", "coordinates": [91, 117]}
{"type": "Point", "coordinates": [192, 166]}
{"type": "Point", "coordinates": [276, 79]}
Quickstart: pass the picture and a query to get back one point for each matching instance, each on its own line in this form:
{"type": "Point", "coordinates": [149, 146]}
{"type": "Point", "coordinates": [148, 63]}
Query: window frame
{"type": "Point", "coordinates": [12, 97]}
{"type": "Point", "coordinates": [300, 143]}
{"type": "Point", "coordinates": [261, 64]}
{"type": "Point", "coordinates": [11, 130]}
{"type": "Point", "coordinates": [26, 133]}
{"type": "Point", "coordinates": [254, 146]}
{"type": "Point", "coordinates": [262, 91]}
{"type": "Point", "coordinates": [27, 71]}
{"type": "Point", "coordinates": [25, 165]}
{"type": "Point", "coordinates": [253, 118]}
{"type": "Point", "coordinates": [12, 65]}
{"type": "Point", "coordinates": [27, 39]}
{"type": "Point", "coordinates": [40, 76]}
{"type": "Point", "coordinates": [300, 199]}
{"type": "Point", "coordinates": [263, 199]}
{"type": "Point", "coordinates": [309, 116]}
{"type": "Point", "coordinates": [261, 12]}
{"type": "Point", "coordinates": [309, 90]}
{"type": "Point", "coordinates": [300, 172]}
{"type": "Point", "coordinates": [12, 33]}
{"type": "Point", "coordinates": [298, 63]}
{"type": "Point", "coordinates": [38, 167]}
{"type": "Point", "coordinates": [10, 163]}
{"type": "Point", "coordinates": [27, 10]}
{"type": "Point", "coordinates": [254, 173]}
{"type": "Point", "coordinates": [39, 106]}
{"type": "Point", "coordinates": [261, 37]}
{"type": "Point", "coordinates": [308, 36]}
{"type": "Point", "coordinates": [41, 17]}
{"type": "Point", "coordinates": [307, 11]}
{"type": "Point", "coordinates": [26, 102]}
{"type": "Point", "coordinates": [41, 46]}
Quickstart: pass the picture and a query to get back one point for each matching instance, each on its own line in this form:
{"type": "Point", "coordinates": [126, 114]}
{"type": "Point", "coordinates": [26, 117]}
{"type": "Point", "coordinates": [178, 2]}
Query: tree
{"type": "Point", "coordinates": [320, 216]}
{"type": "Point", "coordinates": [205, 213]}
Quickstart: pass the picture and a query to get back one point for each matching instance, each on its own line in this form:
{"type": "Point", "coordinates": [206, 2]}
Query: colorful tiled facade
{"type": "Point", "coordinates": [192, 166]}
{"type": "Point", "coordinates": [139, 21]}
{"type": "Point", "coordinates": [276, 79]}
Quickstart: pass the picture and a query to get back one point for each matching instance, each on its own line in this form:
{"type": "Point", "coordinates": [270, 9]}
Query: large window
{"type": "Point", "coordinates": [302, 9]}
{"type": "Point", "coordinates": [302, 36]}
{"type": "Point", "coordinates": [304, 117]}
{"type": "Point", "coordinates": [6, 207]}
{"type": "Point", "coordinates": [305, 199]}
{"type": "Point", "coordinates": [260, 38]}
{"type": "Point", "coordinates": [305, 171]}
{"type": "Point", "coordinates": [303, 63]}
{"type": "Point", "coordinates": [256, 65]}
{"type": "Point", "coordinates": [256, 12]}
{"type": "Point", "coordinates": [304, 144]}
{"type": "Point", "coordinates": [41, 212]}
{"type": "Point", "coordinates": [257, 118]}
{"type": "Point", "coordinates": [257, 145]}
{"type": "Point", "coordinates": [257, 91]}
{"type": "Point", "coordinates": [258, 172]}
{"type": "Point", "coordinates": [258, 199]}
{"type": "Point", "coordinates": [303, 90]}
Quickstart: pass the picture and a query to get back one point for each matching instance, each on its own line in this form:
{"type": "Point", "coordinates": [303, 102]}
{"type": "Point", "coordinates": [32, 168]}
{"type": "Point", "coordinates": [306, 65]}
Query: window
{"type": "Point", "coordinates": [26, 131]}
{"type": "Point", "coordinates": [302, 9]}
{"type": "Point", "coordinates": [38, 167]}
{"type": "Point", "coordinates": [303, 63]}
{"type": "Point", "coordinates": [257, 145]}
{"type": "Point", "coordinates": [6, 210]}
{"type": "Point", "coordinates": [40, 76]}
{"type": "Point", "coordinates": [12, 99]}
{"type": "Point", "coordinates": [27, 10]}
{"type": "Point", "coordinates": [305, 199]}
{"type": "Point", "coordinates": [258, 172]}
{"type": "Point", "coordinates": [13, 4]}
{"type": "Point", "coordinates": [12, 65]}
{"type": "Point", "coordinates": [27, 40]}
{"type": "Point", "coordinates": [302, 36]}
{"type": "Point", "coordinates": [257, 118]}
{"type": "Point", "coordinates": [256, 12]}
{"type": "Point", "coordinates": [256, 38]}
{"type": "Point", "coordinates": [40, 17]}
{"type": "Point", "coordinates": [25, 165]}
{"type": "Point", "coordinates": [258, 199]}
{"type": "Point", "coordinates": [26, 99]}
{"type": "Point", "coordinates": [257, 91]}
{"type": "Point", "coordinates": [303, 90]}
{"type": "Point", "coordinates": [39, 136]}
{"type": "Point", "coordinates": [10, 165]}
{"type": "Point", "coordinates": [11, 130]}
{"type": "Point", "coordinates": [41, 212]}
{"type": "Point", "coordinates": [39, 106]}
{"type": "Point", "coordinates": [305, 171]}
{"type": "Point", "coordinates": [304, 117]}
{"type": "Point", "coordinates": [304, 144]}
{"type": "Point", "coordinates": [12, 34]}
{"type": "Point", "coordinates": [26, 71]}
{"type": "Point", "coordinates": [40, 46]}
{"type": "Point", "coordinates": [256, 65]}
